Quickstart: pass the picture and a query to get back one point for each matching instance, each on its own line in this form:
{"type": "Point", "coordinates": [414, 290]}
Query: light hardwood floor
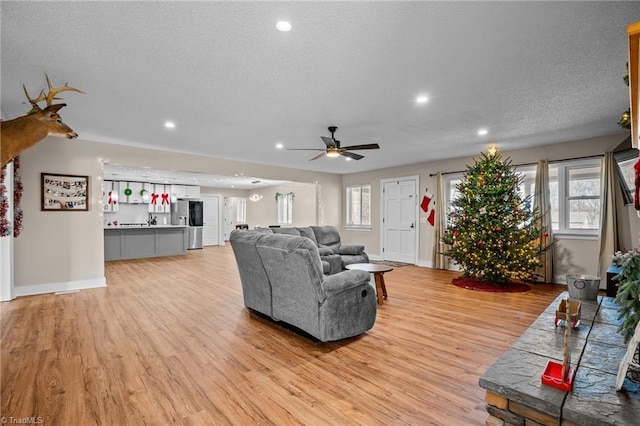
{"type": "Point", "coordinates": [169, 341]}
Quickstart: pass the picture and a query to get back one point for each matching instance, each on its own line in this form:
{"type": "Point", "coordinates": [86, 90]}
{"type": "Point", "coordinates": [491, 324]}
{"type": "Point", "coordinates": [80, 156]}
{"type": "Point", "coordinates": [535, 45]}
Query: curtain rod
{"type": "Point", "coordinates": [530, 164]}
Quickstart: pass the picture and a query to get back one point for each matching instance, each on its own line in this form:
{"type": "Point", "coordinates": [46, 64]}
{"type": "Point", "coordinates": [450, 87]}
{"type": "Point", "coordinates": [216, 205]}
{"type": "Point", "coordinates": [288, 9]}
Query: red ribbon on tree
{"type": "Point", "coordinates": [154, 198]}
{"type": "Point", "coordinates": [165, 198]}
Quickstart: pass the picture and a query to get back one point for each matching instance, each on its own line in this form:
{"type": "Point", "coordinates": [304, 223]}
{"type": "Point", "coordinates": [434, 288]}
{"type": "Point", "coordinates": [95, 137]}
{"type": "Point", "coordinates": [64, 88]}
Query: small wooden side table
{"type": "Point", "coordinates": [378, 271]}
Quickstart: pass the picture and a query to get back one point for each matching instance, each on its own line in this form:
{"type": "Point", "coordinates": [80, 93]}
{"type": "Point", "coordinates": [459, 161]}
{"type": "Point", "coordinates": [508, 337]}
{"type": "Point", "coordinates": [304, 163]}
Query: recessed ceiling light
{"type": "Point", "coordinates": [169, 124]}
{"type": "Point", "coordinates": [483, 132]}
{"type": "Point", "coordinates": [283, 26]}
{"type": "Point", "coordinates": [279, 145]}
{"type": "Point", "coordinates": [348, 159]}
{"type": "Point", "coordinates": [422, 99]}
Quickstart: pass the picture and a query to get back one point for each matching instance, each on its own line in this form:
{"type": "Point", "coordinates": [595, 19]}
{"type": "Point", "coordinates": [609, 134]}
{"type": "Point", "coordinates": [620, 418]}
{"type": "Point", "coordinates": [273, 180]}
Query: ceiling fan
{"type": "Point", "coordinates": [334, 149]}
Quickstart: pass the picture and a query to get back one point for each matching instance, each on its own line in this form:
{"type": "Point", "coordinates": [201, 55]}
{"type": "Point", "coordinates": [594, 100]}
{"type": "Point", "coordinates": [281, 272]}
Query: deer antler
{"type": "Point", "coordinates": [54, 91]}
{"type": "Point", "coordinates": [34, 102]}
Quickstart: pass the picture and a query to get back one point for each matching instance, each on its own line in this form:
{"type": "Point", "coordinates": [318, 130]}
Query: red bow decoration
{"type": "Point", "coordinates": [165, 198]}
{"type": "Point", "coordinates": [154, 198]}
{"type": "Point", "coordinates": [111, 200]}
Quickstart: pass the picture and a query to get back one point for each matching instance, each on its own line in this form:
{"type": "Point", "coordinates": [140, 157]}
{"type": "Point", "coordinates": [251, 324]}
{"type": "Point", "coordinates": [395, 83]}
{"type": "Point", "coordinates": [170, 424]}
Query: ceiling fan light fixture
{"type": "Point", "coordinates": [333, 154]}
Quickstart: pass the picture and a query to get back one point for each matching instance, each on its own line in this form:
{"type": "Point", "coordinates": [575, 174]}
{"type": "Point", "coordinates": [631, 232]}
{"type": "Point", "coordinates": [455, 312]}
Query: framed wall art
{"type": "Point", "coordinates": [64, 192]}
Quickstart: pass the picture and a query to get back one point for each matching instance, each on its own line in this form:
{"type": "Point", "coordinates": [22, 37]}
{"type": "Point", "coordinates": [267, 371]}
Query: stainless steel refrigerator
{"type": "Point", "coordinates": [191, 213]}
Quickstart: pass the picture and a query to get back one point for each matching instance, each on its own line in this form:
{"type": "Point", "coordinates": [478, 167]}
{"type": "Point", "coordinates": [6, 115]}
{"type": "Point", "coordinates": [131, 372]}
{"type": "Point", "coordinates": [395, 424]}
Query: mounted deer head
{"type": "Point", "coordinates": [23, 132]}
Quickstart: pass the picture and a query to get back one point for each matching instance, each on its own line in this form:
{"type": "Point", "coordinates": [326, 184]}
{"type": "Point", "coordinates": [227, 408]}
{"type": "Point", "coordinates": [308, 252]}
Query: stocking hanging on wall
{"type": "Point", "coordinates": [428, 206]}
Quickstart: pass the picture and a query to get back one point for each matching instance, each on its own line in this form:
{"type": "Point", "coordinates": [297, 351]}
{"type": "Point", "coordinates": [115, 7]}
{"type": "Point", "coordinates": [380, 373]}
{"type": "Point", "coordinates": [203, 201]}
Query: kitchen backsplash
{"type": "Point", "coordinates": [134, 213]}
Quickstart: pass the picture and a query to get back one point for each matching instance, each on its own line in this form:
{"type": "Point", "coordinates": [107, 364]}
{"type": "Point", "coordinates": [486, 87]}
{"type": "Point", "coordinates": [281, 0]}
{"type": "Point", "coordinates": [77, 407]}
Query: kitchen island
{"type": "Point", "coordinates": [141, 241]}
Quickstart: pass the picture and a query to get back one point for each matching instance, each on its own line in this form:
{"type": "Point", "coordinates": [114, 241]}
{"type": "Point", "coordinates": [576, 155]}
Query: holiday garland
{"type": "Point", "coordinates": [5, 225]}
{"type": "Point", "coordinates": [17, 197]}
{"type": "Point", "coordinates": [625, 118]}
{"type": "Point", "coordinates": [5, 230]}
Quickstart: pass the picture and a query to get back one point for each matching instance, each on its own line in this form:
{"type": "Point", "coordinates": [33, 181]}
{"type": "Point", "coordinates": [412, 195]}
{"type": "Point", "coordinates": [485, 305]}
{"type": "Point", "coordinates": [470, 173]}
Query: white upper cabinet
{"type": "Point", "coordinates": [185, 191]}
{"type": "Point", "coordinates": [160, 199]}
{"type": "Point", "coordinates": [136, 192]}
{"type": "Point", "coordinates": [110, 196]}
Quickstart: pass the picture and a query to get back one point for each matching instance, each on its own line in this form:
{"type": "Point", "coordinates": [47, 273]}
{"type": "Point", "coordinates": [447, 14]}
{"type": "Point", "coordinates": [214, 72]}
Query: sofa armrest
{"type": "Point", "coordinates": [344, 280]}
{"type": "Point", "coordinates": [351, 249]}
{"type": "Point", "coordinates": [325, 251]}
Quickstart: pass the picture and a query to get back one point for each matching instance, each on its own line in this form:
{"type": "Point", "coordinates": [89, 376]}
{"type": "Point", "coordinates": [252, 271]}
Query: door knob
{"type": "Point", "coordinates": [412, 226]}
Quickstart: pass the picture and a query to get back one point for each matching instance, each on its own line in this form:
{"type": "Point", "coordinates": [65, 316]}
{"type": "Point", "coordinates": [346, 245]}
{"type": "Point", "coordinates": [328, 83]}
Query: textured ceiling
{"type": "Point", "coordinates": [532, 73]}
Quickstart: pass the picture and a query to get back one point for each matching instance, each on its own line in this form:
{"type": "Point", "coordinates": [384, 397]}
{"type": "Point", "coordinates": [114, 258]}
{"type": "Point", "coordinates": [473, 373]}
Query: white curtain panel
{"type": "Point", "coordinates": [608, 221]}
{"type": "Point", "coordinates": [440, 261]}
{"type": "Point", "coordinates": [542, 202]}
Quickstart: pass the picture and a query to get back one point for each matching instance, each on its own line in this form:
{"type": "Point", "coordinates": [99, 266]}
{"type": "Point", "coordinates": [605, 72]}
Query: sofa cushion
{"type": "Point", "coordinates": [351, 249]}
{"type": "Point", "coordinates": [306, 231]}
{"type": "Point", "coordinates": [325, 251]}
{"type": "Point", "coordinates": [327, 236]}
{"type": "Point", "coordinates": [288, 231]}
{"type": "Point", "coordinates": [263, 230]}
{"type": "Point", "coordinates": [256, 289]}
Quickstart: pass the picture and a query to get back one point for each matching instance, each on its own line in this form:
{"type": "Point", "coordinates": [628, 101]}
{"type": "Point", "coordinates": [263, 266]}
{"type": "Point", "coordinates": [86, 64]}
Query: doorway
{"type": "Point", "coordinates": [399, 219]}
{"type": "Point", "coordinates": [211, 223]}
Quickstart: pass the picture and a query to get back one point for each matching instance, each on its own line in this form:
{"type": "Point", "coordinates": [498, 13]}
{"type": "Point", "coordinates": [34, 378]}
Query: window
{"type": "Point", "coordinates": [451, 182]}
{"type": "Point", "coordinates": [359, 206]}
{"type": "Point", "coordinates": [574, 189]}
{"type": "Point", "coordinates": [285, 208]}
{"type": "Point", "coordinates": [241, 210]}
{"type": "Point", "coordinates": [626, 161]}
{"type": "Point", "coordinates": [526, 189]}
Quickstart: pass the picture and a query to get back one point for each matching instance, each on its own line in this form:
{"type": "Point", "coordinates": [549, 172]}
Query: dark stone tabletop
{"type": "Point", "coordinates": [596, 351]}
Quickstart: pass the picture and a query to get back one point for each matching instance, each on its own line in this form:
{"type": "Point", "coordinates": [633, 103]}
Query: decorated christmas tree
{"type": "Point", "coordinates": [493, 234]}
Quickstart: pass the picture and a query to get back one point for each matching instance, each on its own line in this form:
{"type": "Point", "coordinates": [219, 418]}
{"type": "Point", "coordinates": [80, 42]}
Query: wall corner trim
{"type": "Point", "coordinates": [30, 290]}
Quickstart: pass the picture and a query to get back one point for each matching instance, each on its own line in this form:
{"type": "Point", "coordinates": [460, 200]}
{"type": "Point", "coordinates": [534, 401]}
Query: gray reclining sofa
{"type": "Point", "coordinates": [335, 256]}
{"type": "Point", "coordinates": [282, 278]}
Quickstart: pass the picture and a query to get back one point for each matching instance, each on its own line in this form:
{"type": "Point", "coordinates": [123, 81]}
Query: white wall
{"type": "Point", "coordinates": [65, 250]}
{"type": "Point", "coordinates": [265, 211]}
{"type": "Point", "coordinates": [59, 250]}
{"type": "Point", "coordinates": [577, 257]}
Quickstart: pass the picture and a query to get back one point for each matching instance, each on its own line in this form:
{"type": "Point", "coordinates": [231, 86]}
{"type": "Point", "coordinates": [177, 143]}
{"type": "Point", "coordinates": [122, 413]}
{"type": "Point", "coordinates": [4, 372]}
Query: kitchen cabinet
{"type": "Point", "coordinates": [136, 192]}
{"type": "Point", "coordinates": [135, 189]}
{"type": "Point", "coordinates": [160, 199]}
{"type": "Point", "coordinates": [110, 196]}
{"type": "Point", "coordinates": [185, 191]}
{"type": "Point", "coordinates": [137, 243]}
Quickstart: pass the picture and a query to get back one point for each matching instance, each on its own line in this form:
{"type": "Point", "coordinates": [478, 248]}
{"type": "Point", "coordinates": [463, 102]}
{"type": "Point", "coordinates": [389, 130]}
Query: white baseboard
{"type": "Point", "coordinates": [425, 263]}
{"type": "Point", "coordinates": [60, 287]}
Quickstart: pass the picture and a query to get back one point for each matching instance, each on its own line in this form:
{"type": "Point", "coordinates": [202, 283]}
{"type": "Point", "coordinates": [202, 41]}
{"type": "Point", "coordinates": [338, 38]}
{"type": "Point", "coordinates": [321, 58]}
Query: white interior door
{"type": "Point", "coordinates": [399, 219]}
{"type": "Point", "coordinates": [228, 218]}
{"type": "Point", "coordinates": [211, 223]}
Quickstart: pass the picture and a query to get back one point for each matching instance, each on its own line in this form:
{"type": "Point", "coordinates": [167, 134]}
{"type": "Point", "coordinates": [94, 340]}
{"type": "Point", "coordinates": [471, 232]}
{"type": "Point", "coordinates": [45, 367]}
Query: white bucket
{"type": "Point", "coordinates": [583, 287]}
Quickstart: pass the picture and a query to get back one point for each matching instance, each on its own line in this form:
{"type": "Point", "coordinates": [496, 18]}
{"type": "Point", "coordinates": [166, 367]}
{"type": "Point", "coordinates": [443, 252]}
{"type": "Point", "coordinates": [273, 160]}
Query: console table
{"type": "Point", "coordinates": [515, 394]}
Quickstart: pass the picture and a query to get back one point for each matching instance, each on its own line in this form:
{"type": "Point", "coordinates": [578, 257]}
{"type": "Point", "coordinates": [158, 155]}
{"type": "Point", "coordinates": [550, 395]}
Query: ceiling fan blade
{"type": "Point", "coordinates": [304, 149]}
{"type": "Point", "coordinates": [318, 156]}
{"type": "Point", "coordinates": [352, 155]}
{"type": "Point", "coordinates": [328, 141]}
{"type": "Point", "coordinates": [366, 146]}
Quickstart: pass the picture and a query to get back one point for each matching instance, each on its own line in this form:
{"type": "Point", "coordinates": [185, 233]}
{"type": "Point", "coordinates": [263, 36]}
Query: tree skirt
{"type": "Point", "coordinates": [474, 284]}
